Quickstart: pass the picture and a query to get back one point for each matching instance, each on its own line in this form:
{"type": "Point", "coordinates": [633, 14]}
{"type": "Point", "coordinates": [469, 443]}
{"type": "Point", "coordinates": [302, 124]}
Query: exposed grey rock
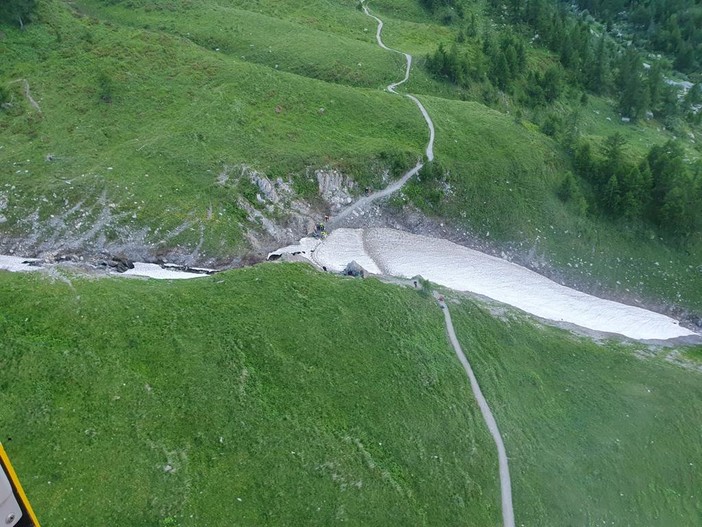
{"type": "Point", "coordinates": [117, 263]}
{"type": "Point", "coordinates": [266, 188]}
{"type": "Point", "coordinates": [335, 188]}
{"type": "Point", "coordinates": [355, 269]}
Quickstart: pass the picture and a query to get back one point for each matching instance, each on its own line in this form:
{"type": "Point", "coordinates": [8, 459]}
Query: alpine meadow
{"type": "Point", "coordinates": [300, 160]}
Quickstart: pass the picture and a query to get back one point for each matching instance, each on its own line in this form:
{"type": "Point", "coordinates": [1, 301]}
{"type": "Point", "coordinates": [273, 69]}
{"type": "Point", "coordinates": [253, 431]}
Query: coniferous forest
{"type": "Point", "coordinates": [630, 52]}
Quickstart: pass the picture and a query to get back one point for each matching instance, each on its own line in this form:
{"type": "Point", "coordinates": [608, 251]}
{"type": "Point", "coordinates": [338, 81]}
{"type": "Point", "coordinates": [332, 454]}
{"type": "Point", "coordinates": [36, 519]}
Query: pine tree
{"type": "Point", "coordinates": [551, 84]}
{"type": "Point", "coordinates": [694, 95]}
{"type": "Point", "coordinates": [676, 213]}
{"type": "Point", "coordinates": [17, 11]}
{"type": "Point", "coordinates": [667, 165]}
{"type": "Point", "coordinates": [597, 78]}
{"type": "Point", "coordinates": [612, 197]}
{"type": "Point", "coordinates": [613, 152]}
{"type": "Point", "coordinates": [584, 162]}
{"type": "Point", "coordinates": [472, 30]}
{"type": "Point", "coordinates": [634, 192]}
{"type": "Point", "coordinates": [632, 91]}
{"type": "Point", "coordinates": [655, 86]}
{"type": "Point", "coordinates": [500, 71]}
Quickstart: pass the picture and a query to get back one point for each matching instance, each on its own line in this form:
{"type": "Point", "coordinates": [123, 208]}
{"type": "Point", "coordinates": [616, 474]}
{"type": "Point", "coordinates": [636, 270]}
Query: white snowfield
{"type": "Point", "coordinates": [17, 264]}
{"type": "Point", "coordinates": [401, 254]}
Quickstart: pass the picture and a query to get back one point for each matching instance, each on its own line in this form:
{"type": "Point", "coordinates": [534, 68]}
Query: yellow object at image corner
{"type": "Point", "coordinates": [6, 466]}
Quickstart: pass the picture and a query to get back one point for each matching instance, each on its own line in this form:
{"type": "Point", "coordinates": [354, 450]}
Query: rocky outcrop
{"type": "Point", "coordinates": [278, 215]}
{"type": "Point", "coordinates": [267, 190]}
{"type": "Point", "coordinates": [335, 188]}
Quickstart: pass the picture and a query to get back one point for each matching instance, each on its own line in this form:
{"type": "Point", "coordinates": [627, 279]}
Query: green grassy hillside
{"type": "Point", "coordinates": [177, 115]}
{"type": "Point", "coordinates": [145, 103]}
{"type": "Point", "coordinates": [277, 395]}
{"type": "Point", "coordinates": [273, 401]}
{"type": "Point", "coordinates": [595, 434]}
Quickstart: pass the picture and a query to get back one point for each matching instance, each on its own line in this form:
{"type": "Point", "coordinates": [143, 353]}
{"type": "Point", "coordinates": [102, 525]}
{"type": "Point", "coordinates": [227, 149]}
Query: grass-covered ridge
{"type": "Point", "coordinates": [275, 395]}
{"type": "Point", "coordinates": [314, 399]}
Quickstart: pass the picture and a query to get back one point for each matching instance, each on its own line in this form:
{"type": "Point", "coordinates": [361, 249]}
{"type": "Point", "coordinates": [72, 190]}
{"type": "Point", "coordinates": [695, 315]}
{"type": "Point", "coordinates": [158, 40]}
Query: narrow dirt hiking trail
{"type": "Point", "coordinates": [505, 483]}
{"type": "Point", "coordinates": [397, 185]}
{"type": "Point", "coordinates": [391, 87]}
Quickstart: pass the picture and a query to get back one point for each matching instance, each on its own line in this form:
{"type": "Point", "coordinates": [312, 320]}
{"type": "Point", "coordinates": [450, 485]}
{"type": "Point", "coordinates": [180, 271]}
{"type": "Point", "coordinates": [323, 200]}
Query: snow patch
{"type": "Point", "coordinates": [305, 248]}
{"type": "Point", "coordinates": [17, 264]}
{"type": "Point", "coordinates": [406, 255]}
{"type": "Point", "coordinates": [343, 246]}
{"type": "Point", "coordinates": [158, 272]}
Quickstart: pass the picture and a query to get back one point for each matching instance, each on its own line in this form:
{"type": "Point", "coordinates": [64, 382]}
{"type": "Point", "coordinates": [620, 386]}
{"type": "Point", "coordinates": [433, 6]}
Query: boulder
{"type": "Point", "coordinates": [355, 269]}
{"type": "Point", "coordinates": [120, 264]}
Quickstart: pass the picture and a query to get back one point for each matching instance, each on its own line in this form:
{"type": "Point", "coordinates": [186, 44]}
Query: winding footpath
{"type": "Point", "coordinates": [397, 185]}
{"type": "Point", "coordinates": [505, 484]}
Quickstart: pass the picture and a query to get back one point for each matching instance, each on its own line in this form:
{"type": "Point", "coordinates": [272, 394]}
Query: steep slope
{"type": "Point", "coordinates": [147, 123]}
{"type": "Point", "coordinates": [254, 397]}
{"type": "Point", "coordinates": [278, 395]}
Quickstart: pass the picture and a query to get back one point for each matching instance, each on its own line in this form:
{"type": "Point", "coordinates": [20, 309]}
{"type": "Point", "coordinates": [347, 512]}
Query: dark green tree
{"type": "Point", "coordinates": [17, 12]}
{"type": "Point", "coordinates": [597, 72]}
{"type": "Point", "coordinates": [552, 84]}
{"type": "Point", "coordinates": [472, 29]}
{"type": "Point", "coordinates": [694, 96]}
{"type": "Point", "coordinates": [667, 165]}
{"type": "Point", "coordinates": [676, 215]}
{"type": "Point", "coordinates": [635, 192]}
{"type": "Point", "coordinates": [565, 191]}
{"type": "Point", "coordinates": [584, 162]}
{"type": "Point", "coordinates": [4, 95]}
{"type": "Point", "coordinates": [500, 73]}
{"type": "Point", "coordinates": [633, 92]}
{"type": "Point", "coordinates": [613, 153]}
{"type": "Point", "coordinates": [611, 197]}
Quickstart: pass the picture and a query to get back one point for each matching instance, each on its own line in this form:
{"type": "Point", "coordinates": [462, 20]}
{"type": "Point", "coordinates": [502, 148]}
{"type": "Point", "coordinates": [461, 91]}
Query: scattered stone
{"type": "Point", "coordinates": [118, 263]}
